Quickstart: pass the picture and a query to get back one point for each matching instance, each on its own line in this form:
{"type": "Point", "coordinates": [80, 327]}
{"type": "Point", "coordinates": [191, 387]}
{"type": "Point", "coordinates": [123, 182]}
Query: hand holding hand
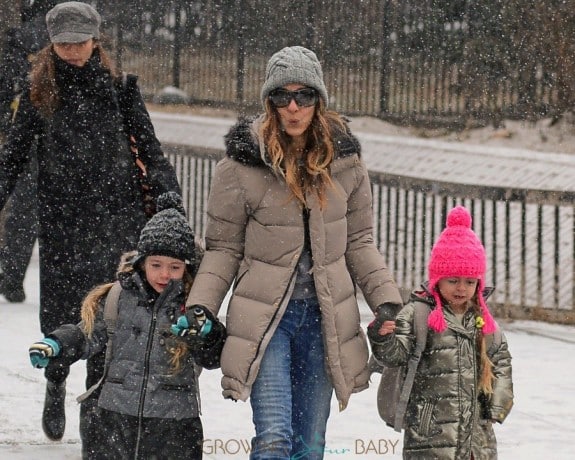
{"type": "Point", "coordinates": [384, 322]}
{"type": "Point", "coordinates": [197, 322]}
{"type": "Point", "coordinates": [41, 352]}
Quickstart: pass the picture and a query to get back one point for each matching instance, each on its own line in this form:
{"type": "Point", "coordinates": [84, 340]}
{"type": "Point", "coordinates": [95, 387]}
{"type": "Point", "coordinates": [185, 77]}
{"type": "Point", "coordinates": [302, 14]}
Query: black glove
{"type": "Point", "coordinates": [385, 312]}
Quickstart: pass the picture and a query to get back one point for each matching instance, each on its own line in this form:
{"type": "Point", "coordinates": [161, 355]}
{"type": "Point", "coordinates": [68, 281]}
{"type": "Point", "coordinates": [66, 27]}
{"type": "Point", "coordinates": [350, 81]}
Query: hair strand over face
{"type": "Point", "coordinates": [312, 173]}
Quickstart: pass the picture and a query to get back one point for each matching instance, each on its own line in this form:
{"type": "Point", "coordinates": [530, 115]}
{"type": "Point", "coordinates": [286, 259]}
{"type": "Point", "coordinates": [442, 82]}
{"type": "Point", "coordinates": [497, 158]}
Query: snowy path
{"type": "Point", "coordinates": [539, 427]}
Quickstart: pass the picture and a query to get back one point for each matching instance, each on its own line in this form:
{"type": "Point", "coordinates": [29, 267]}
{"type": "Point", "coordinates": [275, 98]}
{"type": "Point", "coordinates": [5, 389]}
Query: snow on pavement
{"type": "Point", "coordinates": [540, 425]}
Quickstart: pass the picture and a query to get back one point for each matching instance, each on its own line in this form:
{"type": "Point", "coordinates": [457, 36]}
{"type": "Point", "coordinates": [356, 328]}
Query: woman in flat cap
{"type": "Point", "coordinates": [90, 209]}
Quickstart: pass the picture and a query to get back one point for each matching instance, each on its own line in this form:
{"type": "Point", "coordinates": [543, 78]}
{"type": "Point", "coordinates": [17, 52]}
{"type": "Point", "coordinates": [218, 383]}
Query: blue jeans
{"type": "Point", "coordinates": [291, 396]}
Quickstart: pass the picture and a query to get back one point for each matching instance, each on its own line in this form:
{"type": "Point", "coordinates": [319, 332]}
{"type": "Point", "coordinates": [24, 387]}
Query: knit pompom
{"type": "Point", "coordinates": [459, 217]}
{"type": "Point", "coordinates": [170, 200]}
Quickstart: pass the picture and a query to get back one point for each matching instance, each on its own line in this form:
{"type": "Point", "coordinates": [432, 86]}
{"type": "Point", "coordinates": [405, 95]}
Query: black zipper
{"type": "Point", "coordinates": [146, 376]}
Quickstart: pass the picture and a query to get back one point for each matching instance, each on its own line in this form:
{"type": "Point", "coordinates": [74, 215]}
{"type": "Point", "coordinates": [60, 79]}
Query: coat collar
{"type": "Point", "coordinates": [243, 146]}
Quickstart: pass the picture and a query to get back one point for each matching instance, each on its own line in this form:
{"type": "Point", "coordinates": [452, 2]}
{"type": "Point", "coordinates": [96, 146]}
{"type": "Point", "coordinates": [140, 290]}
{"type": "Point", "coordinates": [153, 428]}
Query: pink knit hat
{"type": "Point", "coordinates": [458, 252]}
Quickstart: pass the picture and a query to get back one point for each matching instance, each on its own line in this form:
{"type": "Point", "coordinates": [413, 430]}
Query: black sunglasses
{"type": "Point", "coordinates": [304, 97]}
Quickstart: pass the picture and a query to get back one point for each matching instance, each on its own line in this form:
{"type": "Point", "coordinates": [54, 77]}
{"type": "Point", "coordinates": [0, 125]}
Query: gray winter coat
{"type": "Point", "coordinates": [140, 380]}
{"type": "Point", "coordinates": [255, 235]}
{"type": "Point", "coordinates": [447, 416]}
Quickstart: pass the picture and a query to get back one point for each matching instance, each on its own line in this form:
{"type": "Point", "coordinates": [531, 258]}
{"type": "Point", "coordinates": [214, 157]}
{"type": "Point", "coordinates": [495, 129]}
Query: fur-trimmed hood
{"type": "Point", "coordinates": [243, 145]}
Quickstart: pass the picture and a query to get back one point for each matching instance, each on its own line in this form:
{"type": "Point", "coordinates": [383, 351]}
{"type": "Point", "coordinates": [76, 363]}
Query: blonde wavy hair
{"type": "Point", "coordinates": [93, 301]}
{"type": "Point", "coordinates": [310, 172]}
{"type": "Point", "coordinates": [43, 88]}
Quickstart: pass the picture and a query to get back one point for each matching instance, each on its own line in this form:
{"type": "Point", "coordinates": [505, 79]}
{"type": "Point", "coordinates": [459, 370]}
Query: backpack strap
{"type": "Point", "coordinates": [110, 318]}
{"type": "Point", "coordinates": [420, 326]}
{"type": "Point", "coordinates": [125, 85]}
{"type": "Point", "coordinates": [493, 342]}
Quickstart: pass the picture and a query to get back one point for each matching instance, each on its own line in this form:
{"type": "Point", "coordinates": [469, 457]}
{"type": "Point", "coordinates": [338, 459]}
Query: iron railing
{"type": "Point", "coordinates": [457, 62]}
{"type": "Point", "coordinates": [408, 61]}
{"type": "Point", "coordinates": [528, 235]}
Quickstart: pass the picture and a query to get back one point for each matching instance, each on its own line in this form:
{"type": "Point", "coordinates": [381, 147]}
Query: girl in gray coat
{"type": "Point", "coordinates": [290, 220]}
{"type": "Point", "coordinates": [148, 404]}
{"type": "Point", "coordinates": [463, 383]}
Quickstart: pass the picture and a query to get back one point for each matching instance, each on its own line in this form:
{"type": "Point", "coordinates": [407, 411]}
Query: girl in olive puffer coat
{"type": "Point", "coordinates": [463, 384]}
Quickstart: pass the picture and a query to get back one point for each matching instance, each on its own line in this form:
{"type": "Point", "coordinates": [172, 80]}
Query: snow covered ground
{"type": "Point", "coordinates": [540, 425]}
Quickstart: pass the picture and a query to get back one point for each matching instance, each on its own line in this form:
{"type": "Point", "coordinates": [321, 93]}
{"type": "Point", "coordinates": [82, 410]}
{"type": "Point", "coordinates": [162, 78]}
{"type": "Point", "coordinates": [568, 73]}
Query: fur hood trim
{"type": "Point", "coordinates": [242, 143]}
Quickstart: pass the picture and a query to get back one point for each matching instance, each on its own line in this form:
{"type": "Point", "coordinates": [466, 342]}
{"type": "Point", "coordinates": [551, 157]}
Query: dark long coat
{"type": "Point", "coordinates": [90, 210]}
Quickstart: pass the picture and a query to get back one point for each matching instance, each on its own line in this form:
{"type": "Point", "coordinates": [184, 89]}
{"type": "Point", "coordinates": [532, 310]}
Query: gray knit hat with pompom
{"type": "Point", "coordinates": [167, 233]}
{"type": "Point", "coordinates": [294, 64]}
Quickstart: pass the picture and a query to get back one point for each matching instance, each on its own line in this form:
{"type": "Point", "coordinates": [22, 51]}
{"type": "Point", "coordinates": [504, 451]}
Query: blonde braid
{"type": "Point", "coordinates": [486, 375]}
{"type": "Point", "coordinates": [177, 346]}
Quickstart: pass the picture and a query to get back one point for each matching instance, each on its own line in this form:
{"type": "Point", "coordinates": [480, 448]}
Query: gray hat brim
{"type": "Point", "coordinates": [71, 37]}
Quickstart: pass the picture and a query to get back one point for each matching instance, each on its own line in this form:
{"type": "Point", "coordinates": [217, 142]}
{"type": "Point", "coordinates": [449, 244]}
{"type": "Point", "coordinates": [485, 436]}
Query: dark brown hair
{"type": "Point", "coordinates": [43, 89]}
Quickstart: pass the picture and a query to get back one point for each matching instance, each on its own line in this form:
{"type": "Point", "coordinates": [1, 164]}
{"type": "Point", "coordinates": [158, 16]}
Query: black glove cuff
{"type": "Point", "coordinates": [373, 331]}
{"type": "Point", "coordinates": [387, 311]}
{"type": "Point", "coordinates": [190, 312]}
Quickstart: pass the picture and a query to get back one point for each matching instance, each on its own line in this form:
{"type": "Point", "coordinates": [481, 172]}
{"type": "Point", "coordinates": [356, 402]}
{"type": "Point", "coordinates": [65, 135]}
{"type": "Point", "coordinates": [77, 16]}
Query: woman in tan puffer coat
{"type": "Point", "coordinates": [290, 219]}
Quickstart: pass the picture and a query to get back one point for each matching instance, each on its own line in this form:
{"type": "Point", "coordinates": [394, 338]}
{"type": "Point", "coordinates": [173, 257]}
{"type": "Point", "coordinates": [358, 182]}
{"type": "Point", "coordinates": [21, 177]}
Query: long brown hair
{"type": "Point", "coordinates": [313, 175]}
{"type": "Point", "coordinates": [176, 346]}
{"type": "Point", "coordinates": [43, 89]}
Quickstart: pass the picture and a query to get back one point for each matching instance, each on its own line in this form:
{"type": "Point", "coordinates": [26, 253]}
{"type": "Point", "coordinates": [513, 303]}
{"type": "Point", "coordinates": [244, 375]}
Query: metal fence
{"type": "Point", "coordinates": [529, 236]}
{"type": "Point", "coordinates": [408, 61]}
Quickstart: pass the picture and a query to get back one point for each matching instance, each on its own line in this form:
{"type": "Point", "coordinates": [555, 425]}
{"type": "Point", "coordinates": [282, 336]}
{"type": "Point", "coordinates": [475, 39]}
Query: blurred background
{"type": "Point", "coordinates": [452, 62]}
{"type": "Point", "coordinates": [454, 65]}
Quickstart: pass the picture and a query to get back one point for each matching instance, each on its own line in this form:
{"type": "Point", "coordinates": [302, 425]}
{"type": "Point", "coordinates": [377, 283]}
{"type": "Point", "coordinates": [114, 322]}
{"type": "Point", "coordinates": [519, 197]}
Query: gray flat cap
{"type": "Point", "coordinates": [73, 22]}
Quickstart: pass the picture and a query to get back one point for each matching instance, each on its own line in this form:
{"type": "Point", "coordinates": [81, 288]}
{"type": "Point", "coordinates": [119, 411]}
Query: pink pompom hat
{"type": "Point", "coordinates": [458, 252]}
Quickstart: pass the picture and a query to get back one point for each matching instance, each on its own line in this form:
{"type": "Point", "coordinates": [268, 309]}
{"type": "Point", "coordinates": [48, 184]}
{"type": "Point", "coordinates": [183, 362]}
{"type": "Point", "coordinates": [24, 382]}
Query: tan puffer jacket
{"type": "Point", "coordinates": [255, 235]}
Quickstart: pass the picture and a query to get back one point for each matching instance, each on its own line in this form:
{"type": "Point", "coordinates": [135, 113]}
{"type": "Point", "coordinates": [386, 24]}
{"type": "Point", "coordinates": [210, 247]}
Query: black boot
{"type": "Point", "coordinates": [14, 293]}
{"type": "Point", "coordinates": [54, 415]}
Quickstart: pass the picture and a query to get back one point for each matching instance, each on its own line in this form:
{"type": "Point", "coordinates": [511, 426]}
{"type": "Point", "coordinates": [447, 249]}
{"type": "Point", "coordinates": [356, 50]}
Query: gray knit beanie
{"type": "Point", "coordinates": [167, 233]}
{"type": "Point", "coordinates": [294, 64]}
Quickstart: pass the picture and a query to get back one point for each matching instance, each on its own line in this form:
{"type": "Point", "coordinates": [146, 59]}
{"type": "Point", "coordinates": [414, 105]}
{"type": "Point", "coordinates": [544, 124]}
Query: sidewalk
{"type": "Point", "coordinates": [539, 426]}
{"type": "Point", "coordinates": [412, 157]}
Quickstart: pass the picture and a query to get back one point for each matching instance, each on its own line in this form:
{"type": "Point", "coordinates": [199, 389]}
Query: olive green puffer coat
{"type": "Point", "coordinates": [447, 416]}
